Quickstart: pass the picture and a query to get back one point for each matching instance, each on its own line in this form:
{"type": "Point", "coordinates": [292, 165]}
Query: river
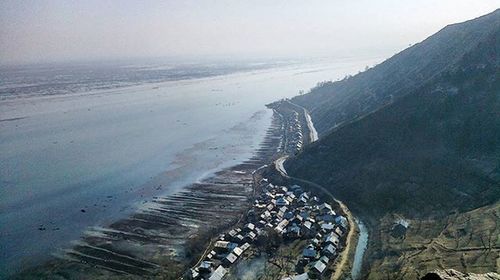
{"type": "Point", "coordinates": [78, 160]}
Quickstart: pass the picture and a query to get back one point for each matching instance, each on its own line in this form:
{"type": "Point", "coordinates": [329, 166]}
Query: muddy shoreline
{"type": "Point", "coordinates": [152, 241]}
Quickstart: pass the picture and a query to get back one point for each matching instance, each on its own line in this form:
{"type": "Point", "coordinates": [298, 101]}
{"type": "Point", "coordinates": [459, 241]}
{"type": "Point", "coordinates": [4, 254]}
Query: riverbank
{"type": "Point", "coordinates": [160, 239]}
{"type": "Point", "coordinates": [285, 258]}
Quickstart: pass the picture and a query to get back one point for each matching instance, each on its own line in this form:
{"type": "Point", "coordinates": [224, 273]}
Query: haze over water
{"type": "Point", "coordinates": [70, 161]}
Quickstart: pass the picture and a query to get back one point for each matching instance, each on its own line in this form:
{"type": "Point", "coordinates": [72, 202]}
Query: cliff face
{"type": "Point", "coordinates": [335, 104]}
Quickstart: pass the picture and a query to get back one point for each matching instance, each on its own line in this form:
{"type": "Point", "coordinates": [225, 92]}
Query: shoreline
{"type": "Point", "coordinates": [248, 252]}
{"type": "Point", "coordinates": [162, 228]}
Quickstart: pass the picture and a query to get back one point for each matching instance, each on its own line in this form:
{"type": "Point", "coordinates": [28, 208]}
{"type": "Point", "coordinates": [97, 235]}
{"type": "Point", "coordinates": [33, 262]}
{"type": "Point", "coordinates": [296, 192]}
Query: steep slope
{"type": "Point", "coordinates": [335, 103]}
{"type": "Point", "coordinates": [437, 148]}
{"type": "Point", "coordinates": [430, 157]}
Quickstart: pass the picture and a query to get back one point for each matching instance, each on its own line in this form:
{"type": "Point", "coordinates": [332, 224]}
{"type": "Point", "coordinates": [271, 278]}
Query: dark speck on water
{"type": "Point", "coordinates": [83, 210]}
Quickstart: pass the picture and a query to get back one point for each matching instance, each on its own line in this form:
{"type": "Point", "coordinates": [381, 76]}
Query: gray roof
{"type": "Point", "coordinates": [231, 258]}
{"type": "Point", "coordinates": [309, 253]}
{"type": "Point", "coordinates": [319, 266]}
{"type": "Point", "coordinates": [330, 249]}
{"type": "Point", "coordinates": [218, 273]}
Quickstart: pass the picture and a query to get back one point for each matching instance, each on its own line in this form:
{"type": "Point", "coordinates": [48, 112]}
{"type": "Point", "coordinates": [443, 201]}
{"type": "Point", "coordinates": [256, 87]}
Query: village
{"type": "Point", "coordinates": [282, 213]}
{"type": "Point", "coordinates": [291, 213]}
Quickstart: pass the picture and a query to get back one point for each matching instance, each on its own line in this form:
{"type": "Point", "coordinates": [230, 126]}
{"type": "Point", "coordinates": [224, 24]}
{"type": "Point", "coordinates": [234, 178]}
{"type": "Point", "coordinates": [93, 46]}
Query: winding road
{"type": "Point", "coordinates": [280, 167]}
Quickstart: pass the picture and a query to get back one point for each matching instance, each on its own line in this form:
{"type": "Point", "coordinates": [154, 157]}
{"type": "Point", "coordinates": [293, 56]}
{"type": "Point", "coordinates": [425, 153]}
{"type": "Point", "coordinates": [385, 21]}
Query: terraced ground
{"type": "Point", "coordinates": [467, 242]}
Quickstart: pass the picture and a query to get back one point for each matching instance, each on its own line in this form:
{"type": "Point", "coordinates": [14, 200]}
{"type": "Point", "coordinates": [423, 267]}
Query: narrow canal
{"type": "Point", "coordinates": [360, 250]}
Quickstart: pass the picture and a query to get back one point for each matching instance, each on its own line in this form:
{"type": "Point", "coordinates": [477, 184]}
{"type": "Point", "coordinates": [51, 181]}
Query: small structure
{"type": "Point", "coordinates": [324, 259]}
{"type": "Point", "coordinates": [282, 202]}
{"type": "Point", "coordinates": [317, 268]}
{"type": "Point", "coordinates": [302, 276]}
{"type": "Point", "coordinates": [205, 267]}
{"type": "Point", "coordinates": [327, 227]}
{"type": "Point", "coordinates": [244, 247]}
{"type": "Point", "coordinates": [249, 227]}
{"type": "Point", "coordinates": [218, 274]}
{"type": "Point", "coordinates": [342, 221]}
{"type": "Point", "coordinates": [221, 246]}
{"type": "Point", "coordinates": [237, 251]}
{"type": "Point", "coordinates": [325, 208]}
{"type": "Point", "coordinates": [229, 259]}
{"type": "Point", "coordinates": [309, 253]}
{"type": "Point", "coordinates": [333, 239]}
{"type": "Point", "coordinates": [281, 226]}
{"type": "Point", "coordinates": [329, 250]}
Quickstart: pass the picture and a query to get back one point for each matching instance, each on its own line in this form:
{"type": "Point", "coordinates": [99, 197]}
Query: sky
{"type": "Point", "coordinates": [56, 30]}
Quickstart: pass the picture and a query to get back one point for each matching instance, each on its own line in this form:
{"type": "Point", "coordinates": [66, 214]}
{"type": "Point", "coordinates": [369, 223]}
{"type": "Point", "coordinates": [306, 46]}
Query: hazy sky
{"type": "Point", "coordinates": [44, 30]}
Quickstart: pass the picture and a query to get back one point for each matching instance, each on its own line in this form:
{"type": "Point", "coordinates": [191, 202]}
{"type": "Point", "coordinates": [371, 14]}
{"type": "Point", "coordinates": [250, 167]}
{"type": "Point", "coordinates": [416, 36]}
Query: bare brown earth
{"type": "Point", "coordinates": [153, 242]}
{"type": "Point", "coordinates": [467, 242]}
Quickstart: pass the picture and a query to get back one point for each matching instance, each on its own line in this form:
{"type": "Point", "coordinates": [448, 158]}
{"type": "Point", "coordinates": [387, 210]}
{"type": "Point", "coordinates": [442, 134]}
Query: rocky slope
{"type": "Point", "coordinates": [334, 104]}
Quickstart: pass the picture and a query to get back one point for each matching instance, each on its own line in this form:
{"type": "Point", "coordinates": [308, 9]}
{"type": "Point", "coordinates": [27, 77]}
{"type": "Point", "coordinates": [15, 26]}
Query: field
{"type": "Point", "coordinates": [467, 242]}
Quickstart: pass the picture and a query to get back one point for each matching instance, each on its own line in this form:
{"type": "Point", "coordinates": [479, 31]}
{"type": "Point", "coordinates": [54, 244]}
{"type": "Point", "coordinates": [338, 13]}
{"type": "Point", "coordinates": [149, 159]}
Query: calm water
{"type": "Point", "coordinates": [104, 151]}
{"type": "Point", "coordinates": [360, 250]}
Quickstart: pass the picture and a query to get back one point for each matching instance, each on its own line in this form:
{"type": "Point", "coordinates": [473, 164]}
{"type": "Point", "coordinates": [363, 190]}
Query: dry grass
{"type": "Point", "coordinates": [468, 242]}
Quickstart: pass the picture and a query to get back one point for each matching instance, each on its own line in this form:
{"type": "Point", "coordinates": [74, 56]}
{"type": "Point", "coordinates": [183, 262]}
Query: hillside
{"type": "Point", "coordinates": [333, 104]}
{"type": "Point", "coordinates": [430, 156]}
{"type": "Point", "coordinates": [438, 146]}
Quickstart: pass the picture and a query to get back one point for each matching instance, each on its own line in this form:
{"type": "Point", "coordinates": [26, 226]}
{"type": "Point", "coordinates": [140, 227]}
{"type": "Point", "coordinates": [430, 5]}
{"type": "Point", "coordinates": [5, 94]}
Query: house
{"type": "Point", "coordinates": [250, 237]}
{"type": "Point", "coordinates": [304, 214]}
{"type": "Point", "coordinates": [211, 255]}
{"type": "Point", "coordinates": [205, 267]}
{"type": "Point", "coordinates": [261, 223]}
{"type": "Point", "coordinates": [302, 276]}
{"type": "Point", "coordinates": [315, 242]}
{"type": "Point", "coordinates": [327, 218]}
{"type": "Point", "coordinates": [229, 259]}
{"type": "Point", "coordinates": [325, 208]}
{"type": "Point", "coordinates": [293, 231]}
{"type": "Point", "coordinates": [249, 227]}
{"type": "Point", "coordinates": [282, 202]}
{"type": "Point", "coordinates": [324, 259]}
{"type": "Point", "coordinates": [302, 201]}
{"type": "Point", "coordinates": [327, 227]}
{"type": "Point", "coordinates": [244, 247]}
{"type": "Point", "coordinates": [339, 231]}
{"type": "Point", "coordinates": [239, 239]}
{"type": "Point", "coordinates": [296, 189]}
{"type": "Point", "coordinates": [318, 268]}
{"type": "Point", "coordinates": [237, 251]}
{"type": "Point", "coordinates": [282, 211]}
{"type": "Point", "coordinates": [309, 253]}
{"type": "Point", "coordinates": [297, 219]}
{"type": "Point", "coordinates": [329, 250]}
{"type": "Point", "coordinates": [221, 246]}
{"type": "Point", "coordinates": [195, 275]}
{"type": "Point", "coordinates": [333, 239]}
{"type": "Point", "coordinates": [342, 221]}
{"type": "Point", "coordinates": [266, 215]}
{"type": "Point", "coordinates": [308, 229]}
{"type": "Point", "coordinates": [218, 274]}
{"type": "Point", "coordinates": [289, 215]}
{"type": "Point", "coordinates": [281, 226]}
{"type": "Point", "coordinates": [290, 197]}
